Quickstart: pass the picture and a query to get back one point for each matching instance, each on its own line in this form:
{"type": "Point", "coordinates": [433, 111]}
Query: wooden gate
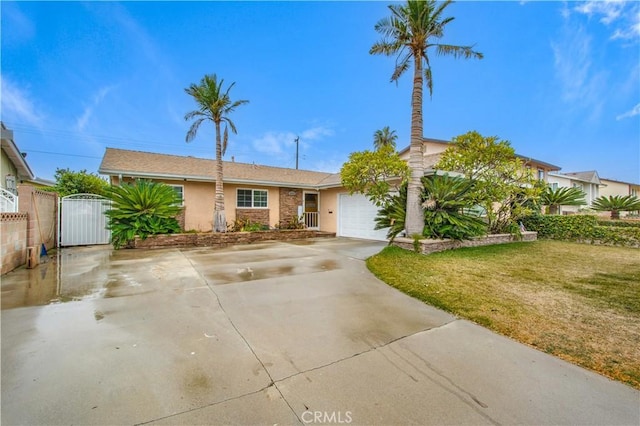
{"type": "Point", "coordinates": [83, 220]}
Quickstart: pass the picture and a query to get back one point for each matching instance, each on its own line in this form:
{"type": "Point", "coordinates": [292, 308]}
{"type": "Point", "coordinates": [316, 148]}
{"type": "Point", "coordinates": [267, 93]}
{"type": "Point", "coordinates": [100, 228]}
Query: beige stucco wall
{"type": "Point", "coordinates": [199, 199]}
{"type": "Point", "coordinates": [6, 168]}
{"type": "Point", "coordinates": [613, 188]}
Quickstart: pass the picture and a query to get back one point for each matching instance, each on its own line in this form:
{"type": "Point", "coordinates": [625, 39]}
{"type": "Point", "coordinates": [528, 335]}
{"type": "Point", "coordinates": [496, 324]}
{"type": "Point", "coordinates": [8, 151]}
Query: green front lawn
{"type": "Point", "coordinates": [579, 302]}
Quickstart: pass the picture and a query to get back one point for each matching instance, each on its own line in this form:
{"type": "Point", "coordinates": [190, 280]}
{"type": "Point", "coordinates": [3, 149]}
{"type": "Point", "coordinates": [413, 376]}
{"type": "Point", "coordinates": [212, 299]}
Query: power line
{"type": "Point", "coordinates": [60, 153]}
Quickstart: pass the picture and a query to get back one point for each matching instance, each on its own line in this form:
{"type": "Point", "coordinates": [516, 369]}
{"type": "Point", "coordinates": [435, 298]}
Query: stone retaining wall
{"type": "Point", "coordinates": [219, 240]}
{"type": "Point", "coordinates": [428, 246]}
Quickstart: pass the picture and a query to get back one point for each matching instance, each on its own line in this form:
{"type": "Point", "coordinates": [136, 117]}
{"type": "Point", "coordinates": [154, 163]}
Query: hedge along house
{"type": "Point", "coordinates": [268, 195]}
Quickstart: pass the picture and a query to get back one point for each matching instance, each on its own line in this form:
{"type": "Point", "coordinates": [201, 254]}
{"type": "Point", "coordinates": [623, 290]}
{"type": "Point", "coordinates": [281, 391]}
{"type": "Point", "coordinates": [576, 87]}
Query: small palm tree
{"type": "Point", "coordinates": [408, 34]}
{"type": "Point", "coordinates": [143, 208]}
{"type": "Point", "coordinates": [447, 208]}
{"type": "Point", "coordinates": [563, 196]}
{"type": "Point", "coordinates": [384, 137]}
{"type": "Point", "coordinates": [616, 204]}
{"type": "Point", "coordinates": [214, 104]}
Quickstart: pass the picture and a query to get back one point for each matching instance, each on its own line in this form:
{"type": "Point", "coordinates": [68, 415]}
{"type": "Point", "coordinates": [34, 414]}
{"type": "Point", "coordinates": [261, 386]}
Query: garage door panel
{"type": "Point", "coordinates": [357, 218]}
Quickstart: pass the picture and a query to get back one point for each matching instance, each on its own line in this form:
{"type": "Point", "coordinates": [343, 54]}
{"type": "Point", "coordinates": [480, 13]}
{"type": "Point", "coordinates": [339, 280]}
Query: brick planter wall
{"type": "Point", "coordinates": [13, 232]}
{"type": "Point", "coordinates": [220, 240]}
{"type": "Point", "coordinates": [433, 246]}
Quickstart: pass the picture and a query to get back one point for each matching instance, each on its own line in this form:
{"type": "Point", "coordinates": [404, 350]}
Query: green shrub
{"type": "Point", "coordinates": [294, 222]}
{"type": "Point", "coordinates": [445, 201]}
{"type": "Point", "coordinates": [392, 214]}
{"type": "Point", "coordinates": [619, 223]}
{"type": "Point", "coordinates": [143, 208]}
{"type": "Point", "coordinates": [583, 228]}
{"type": "Point", "coordinates": [244, 224]}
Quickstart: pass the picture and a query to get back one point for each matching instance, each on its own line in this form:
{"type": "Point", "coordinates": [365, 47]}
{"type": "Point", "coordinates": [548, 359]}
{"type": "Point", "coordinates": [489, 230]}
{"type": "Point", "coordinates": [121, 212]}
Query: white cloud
{"type": "Point", "coordinates": [572, 60]}
{"type": "Point", "coordinates": [622, 16]}
{"type": "Point", "coordinates": [17, 104]}
{"type": "Point", "coordinates": [316, 133]}
{"type": "Point", "coordinates": [631, 113]}
{"type": "Point", "coordinates": [277, 143]}
{"type": "Point", "coordinates": [82, 121]}
{"type": "Point", "coordinates": [17, 27]}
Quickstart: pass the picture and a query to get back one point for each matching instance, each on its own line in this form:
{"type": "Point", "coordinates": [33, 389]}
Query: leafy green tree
{"type": "Point", "coordinates": [69, 182]}
{"type": "Point", "coordinates": [446, 205]}
{"type": "Point", "coordinates": [503, 186]}
{"type": "Point", "coordinates": [384, 137]}
{"type": "Point", "coordinates": [143, 208]}
{"type": "Point", "coordinates": [409, 33]}
{"type": "Point", "coordinates": [392, 213]}
{"type": "Point", "coordinates": [214, 104]}
{"type": "Point", "coordinates": [616, 204]}
{"type": "Point", "coordinates": [374, 173]}
{"type": "Point", "coordinates": [562, 196]}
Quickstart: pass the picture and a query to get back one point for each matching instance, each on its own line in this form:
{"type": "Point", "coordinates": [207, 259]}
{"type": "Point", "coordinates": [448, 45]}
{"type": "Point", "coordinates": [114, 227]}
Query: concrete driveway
{"type": "Point", "coordinates": [273, 333]}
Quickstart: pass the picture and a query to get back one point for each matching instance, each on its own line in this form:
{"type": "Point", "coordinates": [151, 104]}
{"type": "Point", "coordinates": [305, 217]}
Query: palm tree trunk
{"type": "Point", "coordinates": [219, 219]}
{"type": "Point", "coordinates": [415, 218]}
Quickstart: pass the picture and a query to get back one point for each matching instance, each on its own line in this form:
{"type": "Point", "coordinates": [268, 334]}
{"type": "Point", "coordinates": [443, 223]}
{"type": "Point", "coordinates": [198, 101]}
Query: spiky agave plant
{"type": "Point", "coordinates": [392, 214]}
{"type": "Point", "coordinates": [616, 204]}
{"type": "Point", "coordinates": [143, 208]}
{"type": "Point", "coordinates": [563, 196]}
{"type": "Point", "coordinates": [445, 201]}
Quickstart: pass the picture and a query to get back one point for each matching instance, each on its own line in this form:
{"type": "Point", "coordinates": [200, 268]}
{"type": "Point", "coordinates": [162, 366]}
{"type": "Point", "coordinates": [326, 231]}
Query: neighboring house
{"type": "Point", "coordinates": [13, 170]}
{"type": "Point", "coordinates": [616, 187]}
{"type": "Point", "coordinates": [588, 182]}
{"type": "Point", "coordinates": [432, 150]}
{"type": "Point", "coordinates": [269, 195]}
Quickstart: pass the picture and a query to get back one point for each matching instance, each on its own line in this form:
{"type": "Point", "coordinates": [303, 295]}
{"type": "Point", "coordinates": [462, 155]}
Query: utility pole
{"type": "Point", "coordinates": [297, 140]}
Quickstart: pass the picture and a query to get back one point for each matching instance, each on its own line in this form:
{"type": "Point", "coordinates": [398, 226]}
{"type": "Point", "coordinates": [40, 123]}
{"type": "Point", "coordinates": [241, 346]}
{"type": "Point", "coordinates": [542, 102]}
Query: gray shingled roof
{"type": "Point", "coordinates": [591, 176]}
{"type": "Point", "coordinates": [147, 164]}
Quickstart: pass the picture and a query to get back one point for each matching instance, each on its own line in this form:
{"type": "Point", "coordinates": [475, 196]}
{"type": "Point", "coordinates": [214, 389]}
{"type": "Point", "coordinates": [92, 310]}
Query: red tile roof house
{"type": "Point", "coordinates": [269, 195]}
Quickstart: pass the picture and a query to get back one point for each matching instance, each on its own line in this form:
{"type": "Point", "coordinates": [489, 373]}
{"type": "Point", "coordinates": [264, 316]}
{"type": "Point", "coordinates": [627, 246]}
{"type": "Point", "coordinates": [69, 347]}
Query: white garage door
{"type": "Point", "coordinates": [356, 216]}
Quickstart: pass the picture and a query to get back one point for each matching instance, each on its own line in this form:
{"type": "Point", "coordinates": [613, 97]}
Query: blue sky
{"type": "Point", "coordinates": [560, 80]}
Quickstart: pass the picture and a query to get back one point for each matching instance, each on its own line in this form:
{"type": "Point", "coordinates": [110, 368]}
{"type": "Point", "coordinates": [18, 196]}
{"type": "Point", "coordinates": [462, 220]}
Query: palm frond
{"type": "Point", "coordinates": [193, 130]}
{"type": "Point", "coordinates": [225, 140]}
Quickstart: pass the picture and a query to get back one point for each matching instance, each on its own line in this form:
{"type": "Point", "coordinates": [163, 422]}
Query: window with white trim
{"type": "Point", "coordinates": [179, 190]}
{"type": "Point", "coordinates": [540, 174]}
{"type": "Point", "coordinates": [554, 186]}
{"type": "Point", "coordinates": [252, 198]}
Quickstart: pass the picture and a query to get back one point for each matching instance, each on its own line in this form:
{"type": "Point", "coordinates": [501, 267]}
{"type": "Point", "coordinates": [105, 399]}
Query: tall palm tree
{"type": "Point", "coordinates": [409, 34]}
{"type": "Point", "coordinates": [214, 104]}
{"type": "Point", "coordinates": [384, 137]}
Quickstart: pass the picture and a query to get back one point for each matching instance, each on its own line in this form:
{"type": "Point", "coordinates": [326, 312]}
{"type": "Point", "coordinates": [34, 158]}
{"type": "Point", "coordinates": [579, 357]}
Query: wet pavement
{"type": "Point", "coordinates": [271, 333]}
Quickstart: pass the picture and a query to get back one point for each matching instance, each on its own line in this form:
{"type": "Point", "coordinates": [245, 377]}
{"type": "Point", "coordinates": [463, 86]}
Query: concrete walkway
{"type": "Point", "coordinates": [274, 333]}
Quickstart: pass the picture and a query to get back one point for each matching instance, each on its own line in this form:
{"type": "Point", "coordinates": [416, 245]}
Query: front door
{"type": "Point", "coordinates": [311, 210]}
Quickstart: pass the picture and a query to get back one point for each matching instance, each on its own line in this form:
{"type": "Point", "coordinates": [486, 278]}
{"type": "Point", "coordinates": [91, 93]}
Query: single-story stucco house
{"type": "Point", "coordinates": [269, 195]}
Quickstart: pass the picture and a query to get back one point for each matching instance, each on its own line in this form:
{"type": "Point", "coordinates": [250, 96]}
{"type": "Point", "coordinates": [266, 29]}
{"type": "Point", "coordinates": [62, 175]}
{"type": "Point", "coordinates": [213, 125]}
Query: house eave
{"type": "Point", "coordinates": [14, 154]}
{"type": "Point", "coordinates": [195, 178]}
